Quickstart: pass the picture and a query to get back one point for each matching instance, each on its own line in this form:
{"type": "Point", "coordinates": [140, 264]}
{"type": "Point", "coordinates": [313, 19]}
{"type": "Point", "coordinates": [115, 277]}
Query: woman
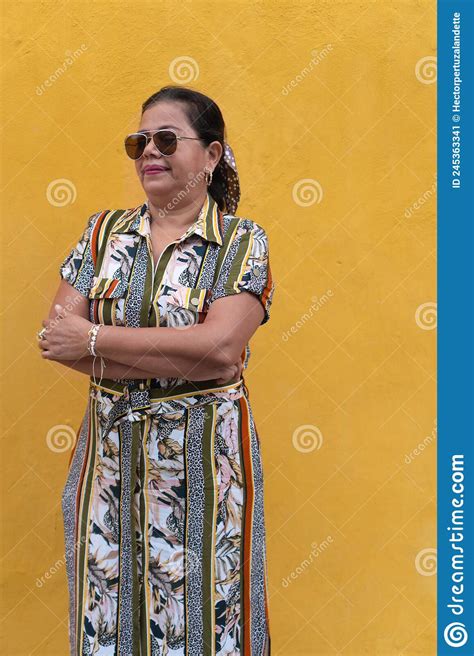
{"type": "Point", "coordinates": [163, 503]}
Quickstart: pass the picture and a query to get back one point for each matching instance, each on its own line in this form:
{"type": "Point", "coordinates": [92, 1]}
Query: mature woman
{"type": "Point", "coordinates": [163, 503]}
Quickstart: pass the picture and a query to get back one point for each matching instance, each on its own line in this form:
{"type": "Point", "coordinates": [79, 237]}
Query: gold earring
{"type": "Point", "coordinates": [208, 177]}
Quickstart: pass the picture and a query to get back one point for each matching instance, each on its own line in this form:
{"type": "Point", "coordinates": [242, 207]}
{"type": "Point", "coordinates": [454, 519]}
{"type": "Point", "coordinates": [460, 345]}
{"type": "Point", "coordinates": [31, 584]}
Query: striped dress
{"type": "Point", "coordinates": [163, 502]}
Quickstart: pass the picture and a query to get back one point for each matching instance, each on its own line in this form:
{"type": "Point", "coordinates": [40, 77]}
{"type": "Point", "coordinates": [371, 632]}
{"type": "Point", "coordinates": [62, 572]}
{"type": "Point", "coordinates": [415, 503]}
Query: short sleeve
{"type": "Point", "coordinates": [246, 267]}
{"type": "Point", "coordinates": [78, 267]}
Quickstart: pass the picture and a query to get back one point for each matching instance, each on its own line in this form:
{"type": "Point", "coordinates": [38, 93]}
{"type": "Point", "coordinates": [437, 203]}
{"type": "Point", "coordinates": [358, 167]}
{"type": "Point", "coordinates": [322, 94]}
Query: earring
{"type": "Point", "coordinates": [208, 177]}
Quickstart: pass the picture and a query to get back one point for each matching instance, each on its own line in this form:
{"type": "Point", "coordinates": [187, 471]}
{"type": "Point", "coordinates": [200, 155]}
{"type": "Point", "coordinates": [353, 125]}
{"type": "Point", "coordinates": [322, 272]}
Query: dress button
{"type": "Point", "coordinates": [195, 301]}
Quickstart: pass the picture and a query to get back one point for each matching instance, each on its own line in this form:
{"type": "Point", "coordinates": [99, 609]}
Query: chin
{"type": "Point", "coordinates": [155, 184]}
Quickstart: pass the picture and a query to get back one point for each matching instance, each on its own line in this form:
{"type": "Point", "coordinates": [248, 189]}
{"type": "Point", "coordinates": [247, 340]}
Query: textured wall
{"type": "Point", "coordinates": [330, 108]}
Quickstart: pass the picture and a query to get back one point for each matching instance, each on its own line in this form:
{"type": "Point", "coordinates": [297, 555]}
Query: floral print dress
{"type": "Point", "coordinates": [163, 503]}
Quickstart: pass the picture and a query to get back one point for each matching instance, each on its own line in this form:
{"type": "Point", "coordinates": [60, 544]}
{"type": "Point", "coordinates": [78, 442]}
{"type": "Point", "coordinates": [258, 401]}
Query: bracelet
{"type": "Point", "coordinates": [102, 367]}
{"type": "Point", "coordinates": [93, 338]}
{"type": "Point", "coordinates": [92, 334]}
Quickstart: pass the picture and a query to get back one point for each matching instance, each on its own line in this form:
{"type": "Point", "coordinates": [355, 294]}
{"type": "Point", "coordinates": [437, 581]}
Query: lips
{"type": "Point", "coordinates": [151, 168]}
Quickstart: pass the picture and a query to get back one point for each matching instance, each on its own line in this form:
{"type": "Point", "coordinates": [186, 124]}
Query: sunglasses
{"type": "Point", "coordinates": [165, 140]}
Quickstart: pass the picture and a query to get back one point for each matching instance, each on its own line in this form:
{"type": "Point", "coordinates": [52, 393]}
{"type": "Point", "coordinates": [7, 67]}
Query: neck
{"type": "Point", "coordinates": [177, 216]}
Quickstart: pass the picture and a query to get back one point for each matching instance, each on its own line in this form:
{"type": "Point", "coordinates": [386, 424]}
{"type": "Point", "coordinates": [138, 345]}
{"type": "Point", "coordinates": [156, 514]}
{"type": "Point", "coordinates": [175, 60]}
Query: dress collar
{"type": "Point", "coordinates": [208, 223]}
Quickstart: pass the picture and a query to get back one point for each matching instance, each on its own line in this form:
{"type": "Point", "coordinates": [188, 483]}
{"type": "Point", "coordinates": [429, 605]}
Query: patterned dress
{"type": "Point", "coordinates": [163, 503]}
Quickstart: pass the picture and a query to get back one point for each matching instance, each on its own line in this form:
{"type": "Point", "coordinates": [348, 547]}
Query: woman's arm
{"type": "Point", "coordinates": [198, 352]}
{"type": "Point", "coordinates": [217, 342]}
{"type": "Point", "coordinates": [119, 370]}
{"type": "Point", "coordinates": [111, 369]}
{"type": "Point", "coordinates": [172, 352]}
{"type": "Point", "coordinates": [76, 304]}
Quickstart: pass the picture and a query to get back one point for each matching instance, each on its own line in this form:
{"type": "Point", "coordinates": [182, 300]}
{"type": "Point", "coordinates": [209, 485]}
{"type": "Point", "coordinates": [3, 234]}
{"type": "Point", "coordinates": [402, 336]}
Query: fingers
{"type": "Point", "coordinates": [44, 347]}
{"type": "Point", "coordinates": [235, 373]}
{"type": "Point", "coordinates": [60, 311]}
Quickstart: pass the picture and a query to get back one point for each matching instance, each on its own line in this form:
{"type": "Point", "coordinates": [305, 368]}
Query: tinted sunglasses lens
{"type": "Point", "coordinates": [135, 145]}
{"type": "Point", "coordinates": [165, 141]}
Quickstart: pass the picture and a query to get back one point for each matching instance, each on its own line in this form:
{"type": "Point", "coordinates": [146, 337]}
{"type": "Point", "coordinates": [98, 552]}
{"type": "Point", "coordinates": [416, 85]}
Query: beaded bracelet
{"type": "Point", "coordinates": [93, 338]}
{"type": "Point", "coordinates": [91, 348]}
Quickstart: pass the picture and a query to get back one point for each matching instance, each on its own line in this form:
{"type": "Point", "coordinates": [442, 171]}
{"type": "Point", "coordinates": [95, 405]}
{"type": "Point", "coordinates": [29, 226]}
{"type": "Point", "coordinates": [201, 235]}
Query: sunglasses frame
{"type": "Point", "coordinates": [149, 135]}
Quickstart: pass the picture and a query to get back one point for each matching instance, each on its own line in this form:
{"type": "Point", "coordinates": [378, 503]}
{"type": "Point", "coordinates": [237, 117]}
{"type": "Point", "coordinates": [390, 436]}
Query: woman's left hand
{"type": "Point", "coordinates": [66, 336]}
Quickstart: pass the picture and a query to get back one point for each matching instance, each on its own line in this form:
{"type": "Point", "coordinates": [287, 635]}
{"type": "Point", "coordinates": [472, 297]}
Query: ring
{"type": "Point", "coordinates": [40, 333]}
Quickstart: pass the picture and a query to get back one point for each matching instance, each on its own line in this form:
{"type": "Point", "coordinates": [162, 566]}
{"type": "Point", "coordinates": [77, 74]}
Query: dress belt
{"type": "Point", "coordinates": [117, 401]}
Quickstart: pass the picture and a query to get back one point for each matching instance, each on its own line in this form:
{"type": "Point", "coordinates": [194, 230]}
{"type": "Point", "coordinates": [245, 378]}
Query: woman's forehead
{"type": "Point", "coordinates": [159, 127]}
{"type": "Point", "coordinates": [164, 115]}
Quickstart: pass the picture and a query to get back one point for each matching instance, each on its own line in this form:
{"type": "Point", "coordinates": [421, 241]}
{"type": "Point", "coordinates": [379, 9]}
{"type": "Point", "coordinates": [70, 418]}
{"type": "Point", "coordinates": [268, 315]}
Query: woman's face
{"type": "Point", "coordinates": [186, 164]}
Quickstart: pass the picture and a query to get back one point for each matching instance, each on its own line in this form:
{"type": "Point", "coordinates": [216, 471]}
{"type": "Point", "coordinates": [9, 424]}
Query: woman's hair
{"type": "Point", "coordinates": [206, 118]}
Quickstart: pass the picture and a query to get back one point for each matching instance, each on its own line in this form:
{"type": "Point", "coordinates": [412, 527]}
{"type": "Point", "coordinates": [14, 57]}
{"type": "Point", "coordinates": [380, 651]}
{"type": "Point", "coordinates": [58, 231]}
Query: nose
{"type": "Point", "coordinates": [151, 149]}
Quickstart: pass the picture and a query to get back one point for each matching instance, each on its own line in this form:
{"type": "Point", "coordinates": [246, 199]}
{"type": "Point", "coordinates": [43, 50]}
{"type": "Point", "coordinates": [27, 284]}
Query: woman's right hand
{"type": "Point", "coordinates": [230, 373]}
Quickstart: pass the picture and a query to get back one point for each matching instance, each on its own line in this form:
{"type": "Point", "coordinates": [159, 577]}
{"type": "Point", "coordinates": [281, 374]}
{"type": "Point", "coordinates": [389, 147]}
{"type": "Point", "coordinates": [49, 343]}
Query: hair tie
{"type": "Point", "coordinates": [231, 179]}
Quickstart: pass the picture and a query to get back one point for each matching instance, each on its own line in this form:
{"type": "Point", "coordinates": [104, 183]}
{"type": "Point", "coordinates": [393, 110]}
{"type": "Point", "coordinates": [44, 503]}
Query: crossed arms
{"type": "Point", "coordinates": [204, 351]}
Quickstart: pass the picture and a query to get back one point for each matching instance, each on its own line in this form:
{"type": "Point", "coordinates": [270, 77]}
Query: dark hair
{"type": "Point", "coordinates": [206, 118]}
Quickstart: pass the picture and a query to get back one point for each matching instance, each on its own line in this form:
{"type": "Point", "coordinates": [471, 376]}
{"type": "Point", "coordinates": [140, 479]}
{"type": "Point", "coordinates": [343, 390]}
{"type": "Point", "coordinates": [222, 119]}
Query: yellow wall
{"type": "Point", "coordinates": [342, 379]}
